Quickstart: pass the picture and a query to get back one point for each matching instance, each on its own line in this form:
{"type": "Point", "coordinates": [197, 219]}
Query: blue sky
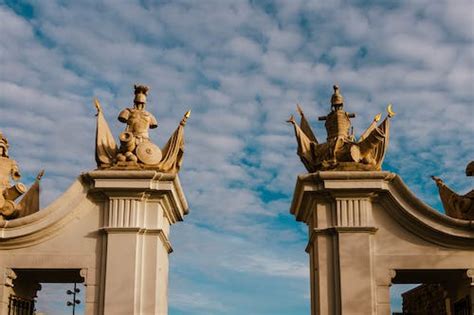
{"type": "Point", "coordinates": [241, 66]}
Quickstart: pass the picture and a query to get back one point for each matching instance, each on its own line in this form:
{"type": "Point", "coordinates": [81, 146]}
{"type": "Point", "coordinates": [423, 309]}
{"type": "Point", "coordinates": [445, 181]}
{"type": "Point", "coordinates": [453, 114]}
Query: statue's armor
{"type": "Point", "coordinates": [337, 125]}
{"type": "Point", "coordinates": [138, 121]}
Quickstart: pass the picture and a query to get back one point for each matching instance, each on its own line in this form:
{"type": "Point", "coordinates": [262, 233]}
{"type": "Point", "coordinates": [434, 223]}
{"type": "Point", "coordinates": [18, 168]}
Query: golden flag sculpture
{"type": "Point", "coordinates": [106, 148]}
{"type": "Point", "coordinates": [30, 203]}
{"type": "Point", "coordinates": [304, 125]}
{"type": "Point", "coordinates": [174, 149]}
{"type": "Point", "coordinates": [456, 206]}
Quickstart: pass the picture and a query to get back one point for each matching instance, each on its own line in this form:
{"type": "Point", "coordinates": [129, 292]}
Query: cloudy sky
{"type": "Point", "coordinates": [241, 66]}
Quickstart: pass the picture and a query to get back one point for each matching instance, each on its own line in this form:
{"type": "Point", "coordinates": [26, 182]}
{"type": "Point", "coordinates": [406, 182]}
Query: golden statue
{"type": "Point", "coordinates": [135, 139]}
{"type": "Point", "coordinates": [136, 150]}
{"type": "Point", "coordinates": [342, 151]}
{"type": "Point", "coordinates": [9, 193]}
{"type": "Point", "coordinates": [457, 206]}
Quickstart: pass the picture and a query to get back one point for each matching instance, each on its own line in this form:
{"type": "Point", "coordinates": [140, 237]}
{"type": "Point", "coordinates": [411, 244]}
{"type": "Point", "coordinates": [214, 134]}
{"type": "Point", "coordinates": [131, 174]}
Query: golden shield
{"type": "Point", "coordinates": [148, 153]}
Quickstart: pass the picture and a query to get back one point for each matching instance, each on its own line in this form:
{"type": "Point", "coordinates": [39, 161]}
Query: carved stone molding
{"type": "Point", "coordinates": [37, 288]}
{"type": "Point", "coordinates": [83, 274]}
{"type": "Point", "coordinates": [391, 275]}
{"type": "Point", "coordinates": [10, 275]}
{"type": "Point", "coordinates": [470, 274]}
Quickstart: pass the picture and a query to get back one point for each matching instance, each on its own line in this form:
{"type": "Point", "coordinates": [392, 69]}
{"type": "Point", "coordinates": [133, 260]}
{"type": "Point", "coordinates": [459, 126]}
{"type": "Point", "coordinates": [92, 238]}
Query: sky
{"type": "Point", "coordinates": [241, 66]}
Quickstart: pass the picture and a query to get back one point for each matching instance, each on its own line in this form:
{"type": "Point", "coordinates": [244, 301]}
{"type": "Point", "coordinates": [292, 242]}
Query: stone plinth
{"type": "Point", "coordinates": [364, 227]}
{"type": "Point", "coordinates": [139, 208]}
{"type": "Point", "coordinates": [110, 231]}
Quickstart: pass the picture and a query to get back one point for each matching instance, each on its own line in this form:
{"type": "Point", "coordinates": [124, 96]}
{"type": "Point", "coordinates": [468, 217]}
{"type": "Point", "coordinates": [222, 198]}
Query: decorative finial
{"type": "Point", "coordinates": [299, 110]}
{"type": "Point", "coordinates": [40, 174]}
{"type": "Point", "coordinates": [188, 114]}
{"type": "Point", "coordinates": [336, 98]}
{"type": "Point", "coordinates": [185, 118]}
{"type": "Point", "coordinates": [390, 111]}
{"type": "Point", "coordinates": [97, 105]}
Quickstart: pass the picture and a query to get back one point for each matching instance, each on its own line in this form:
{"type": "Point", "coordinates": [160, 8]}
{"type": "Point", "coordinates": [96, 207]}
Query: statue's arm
{"type": "Point", "coordinates": [15, 171]}
{"type": "Point", "coordinates": [153, 122]}
{"type": "Point", "coordinates": [124, 115]}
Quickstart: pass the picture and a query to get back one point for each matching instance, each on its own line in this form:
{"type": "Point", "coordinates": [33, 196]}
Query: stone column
{"type": "Point", "coordinates": [7, 277]}
{"type": "Point", "coordinates": [13, 285]}
{"type": "Point", "coordinates": [139, 208]}
{"type": "Point", "coordinates": [337, 207]}
{"type": "Point", "coordinates": [383, 282]}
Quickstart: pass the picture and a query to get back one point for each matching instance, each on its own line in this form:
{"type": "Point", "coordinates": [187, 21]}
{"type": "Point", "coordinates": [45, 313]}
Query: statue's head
{"type": "Point", "coordinates": [141, 91]}
{"type": "Point", "coordinates": [337, 100]}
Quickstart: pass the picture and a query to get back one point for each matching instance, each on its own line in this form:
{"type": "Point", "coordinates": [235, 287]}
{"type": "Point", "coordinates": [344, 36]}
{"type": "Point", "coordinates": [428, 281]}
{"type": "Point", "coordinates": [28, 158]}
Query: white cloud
{"type": "Point", "coordinates": [242, 67]}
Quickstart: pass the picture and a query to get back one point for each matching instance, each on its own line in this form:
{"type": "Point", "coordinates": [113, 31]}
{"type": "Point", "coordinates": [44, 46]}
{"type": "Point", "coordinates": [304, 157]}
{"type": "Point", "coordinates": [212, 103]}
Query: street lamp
{"type": "Point", "coordinates": [74, 300]}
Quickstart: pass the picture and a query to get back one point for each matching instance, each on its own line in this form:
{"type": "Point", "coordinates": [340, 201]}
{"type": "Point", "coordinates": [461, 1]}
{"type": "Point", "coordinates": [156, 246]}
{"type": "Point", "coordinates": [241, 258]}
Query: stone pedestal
{"type": "Point", "coordinates": [367, 230]}
{"type": "Point", "coordinates": [140, 207]}
{"type": "Point", "coordinates": [339, 217]}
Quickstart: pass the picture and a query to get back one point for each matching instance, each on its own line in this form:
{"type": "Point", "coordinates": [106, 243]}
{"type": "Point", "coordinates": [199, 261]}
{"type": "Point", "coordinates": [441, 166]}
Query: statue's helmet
{"type": "Point", "coordinates": [140, 98]}
{"type": "Point", "coordinates": [141, 92]}
{"type": "Point", "coordinates": [336, 98]}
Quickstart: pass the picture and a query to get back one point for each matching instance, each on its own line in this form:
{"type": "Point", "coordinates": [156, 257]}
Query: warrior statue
{"type": "Point", "coordinates": [9, 193]}
{"type": "Point", "coordinates": [137, 151]}
{"type": "Point", "coordinates": [138, 122]}
{"type": "Point", "coordinates": [457, 206]}
{"type": "Point", "coordinates": [342, 151]}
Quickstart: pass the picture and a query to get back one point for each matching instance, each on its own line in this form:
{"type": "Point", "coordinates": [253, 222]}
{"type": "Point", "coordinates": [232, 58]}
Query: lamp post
{"type": "Point", "coordinates": [74, 300]}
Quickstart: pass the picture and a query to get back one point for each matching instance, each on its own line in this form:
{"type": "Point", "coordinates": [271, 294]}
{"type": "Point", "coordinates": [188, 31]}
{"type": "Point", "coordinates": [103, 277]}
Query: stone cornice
{"type": "Point", "coordinates": [111, 182]}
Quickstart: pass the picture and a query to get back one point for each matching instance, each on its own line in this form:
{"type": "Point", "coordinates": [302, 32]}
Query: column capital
{"type": "Point", "coordinates": [343, 188]}
{"type": "Point", "coordinates": [128, 189]}
{"type": "Point", "coordinates": [9, 276]}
